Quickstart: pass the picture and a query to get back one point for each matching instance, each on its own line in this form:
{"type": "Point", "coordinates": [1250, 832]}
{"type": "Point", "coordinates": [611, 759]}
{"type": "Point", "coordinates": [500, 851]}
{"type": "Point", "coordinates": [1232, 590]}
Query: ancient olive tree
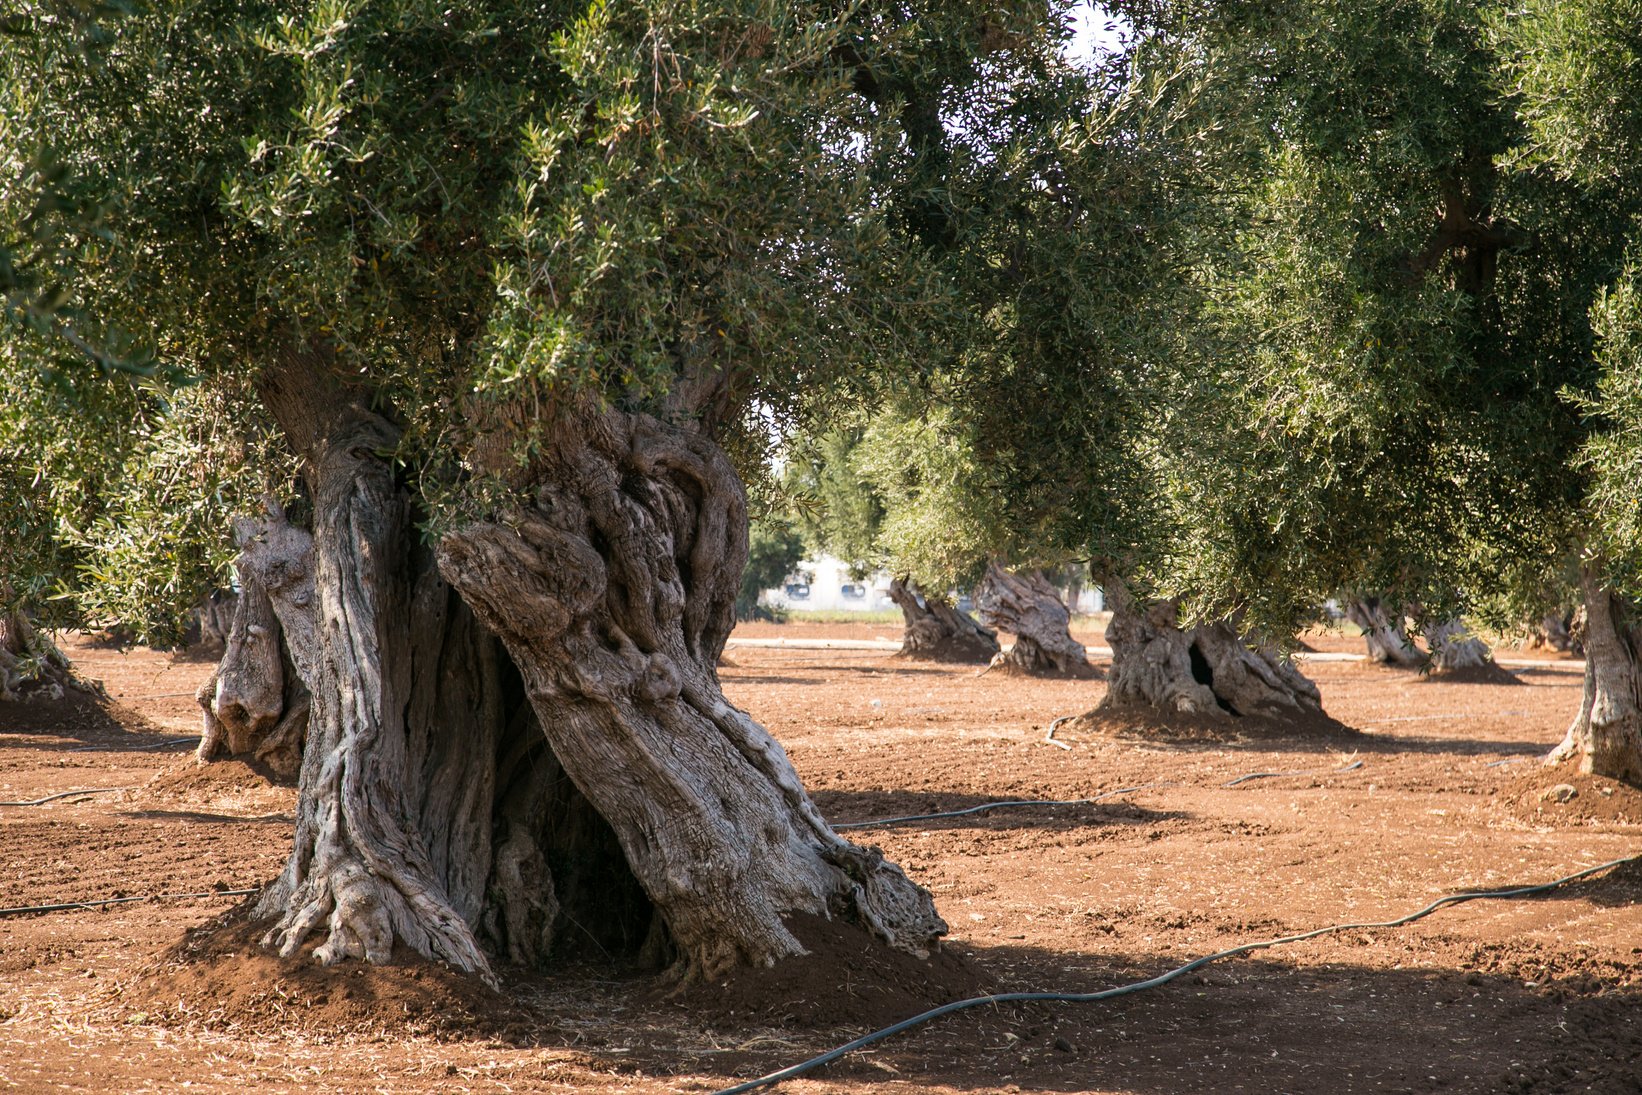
{"type": "Point", "coordinates": [1393, 316]}
{"type": "Point", "coordinates": [848, 509]}
{"type": "Point", "coordinates": [511, 283]}
{"type": "Point", "coordinates": [1574, 68]}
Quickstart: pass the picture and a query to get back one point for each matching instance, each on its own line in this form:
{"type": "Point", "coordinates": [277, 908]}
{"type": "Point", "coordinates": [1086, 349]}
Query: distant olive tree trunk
{"type": "Point", "coordinates": [1453, 647]}
{"type": "Point", "coordinates": [30, 663]}
{"type": "Point", "coordinates": [1206, 670]}
{"type": "Point", "coordinates": [936, 630]}
{"type": "Point", "coordinates": [1605, 737]}
{"type": "Point", "coordinates": [1388, 642]}
{"type": "Point", "coordinates": [1030, 608]}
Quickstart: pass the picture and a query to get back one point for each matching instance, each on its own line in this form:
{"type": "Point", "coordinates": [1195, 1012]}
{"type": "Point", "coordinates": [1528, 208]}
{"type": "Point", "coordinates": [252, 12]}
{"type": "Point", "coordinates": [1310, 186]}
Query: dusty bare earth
{"type": "Point", "coordinates": [1539, 995]}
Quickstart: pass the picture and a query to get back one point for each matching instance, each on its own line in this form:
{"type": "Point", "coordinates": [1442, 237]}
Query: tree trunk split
{"type": "Point", "coordinates": [1207, 670]}
{"type": "Point", "coordinates": [1605, 737]}
{"type": "Point", "coordinates": [1388, 643]}
{"type": "Point", "coordinates": [1030, 608]}
{"type": "Point", "coordinates": [614, 594]}
{"type": "Point", "coordinates": [937, 631]}
{"type": "Point", "coordinates": [430, 811]}
{"type": "Point", "coordinates": [1453, 648]}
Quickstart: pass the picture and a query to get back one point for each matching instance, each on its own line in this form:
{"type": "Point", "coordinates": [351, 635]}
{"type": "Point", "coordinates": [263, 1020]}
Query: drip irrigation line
{"type": "Point", "coordinates": [1307, 772]}
{"type": "Point", "coordinates": [65, 906]}
{"type": "Point", "coordinates": [985, 806]}
{"type": "Point", "coordinates": [132, 748]}
{"type": "Point", "coordinates": [69, 794]}
{"type": "Point", "coordinates": [1154, 982]}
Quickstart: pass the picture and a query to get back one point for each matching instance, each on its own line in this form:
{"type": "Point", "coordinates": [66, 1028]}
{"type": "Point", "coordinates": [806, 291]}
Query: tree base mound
{"type": "Point", "coordinates": [220, 978]}
{"type": "Point", "coordinates": [1139, 722]}
{"type": "Point", "coordinates": [1531, 796]}
{"type": "Point", "coordinates": [231, 782]}
{"type": "Point", "coordinates": [1003, 667]}
{"type": "Point", "coordinates": [848, 978]}
{"type": "Point", "coordinates": [946, 653]}
{"type": "Point", "coordinates": [1487, 673]}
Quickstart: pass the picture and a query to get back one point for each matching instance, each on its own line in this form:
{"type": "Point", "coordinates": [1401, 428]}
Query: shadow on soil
{"type": "Point", "coordinates": [78, 716]}
{"type": "Point", "coordinates": [1511, 1017]}
{"type": "Point", "coordinates": [852, 807]}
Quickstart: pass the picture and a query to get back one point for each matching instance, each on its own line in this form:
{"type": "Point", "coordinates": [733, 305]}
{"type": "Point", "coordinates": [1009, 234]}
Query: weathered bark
{"type": "Point", "coordinates": [614, 593]}
{"type": "Point", "coordinates": [1388, 643]}
{"type": "Point", "coordinates": [255, 704]}
{"type": "Point", "coordinates": [937, 631]}
{"type": "Point", "coordinates": [1453, 647]}
{"type": "Point", "coordinates": [1605, 737]}
{"type": "Point", "coordinates": [430, 811]}
{"type": "Point", "coordinates": [1207, 670]}
{"type": "Point", "coordinates": [31, 666]}
{"type": "Point", "coordinates": [215, 616]}
{"type": "Point", "coordinates": [1028, 607]}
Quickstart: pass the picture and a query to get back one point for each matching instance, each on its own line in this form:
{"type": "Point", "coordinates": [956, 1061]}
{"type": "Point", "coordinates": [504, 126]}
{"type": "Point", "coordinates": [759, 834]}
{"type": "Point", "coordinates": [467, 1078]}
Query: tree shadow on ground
{"type": "Point", "coordinates": [1339, 1015]}
{"type": "Point", "coordinates": [846, 808]}
{"type": "Point", "coordinates": [78, 716]}
{"type": "Point", "coordinates": [202, 816]}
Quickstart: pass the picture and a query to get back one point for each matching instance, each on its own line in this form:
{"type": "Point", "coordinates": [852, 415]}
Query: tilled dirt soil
{"type": "Point", "coordinates": [1536, 995]}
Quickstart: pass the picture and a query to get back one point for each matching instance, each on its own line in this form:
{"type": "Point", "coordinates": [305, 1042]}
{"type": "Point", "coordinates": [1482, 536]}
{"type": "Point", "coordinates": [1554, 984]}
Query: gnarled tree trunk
{"type": "Point", "coordinates": [1605, 738]}
{"type": "Point", "coordinates": [614, 593]}
{"type": "Point", "coordinates": [255, 704]}
{"type": "Point", "coordinates": [431, 813]}
{"type": "Point", "coordinates": [1206, 670]}
{"type": "Point", "coordinates": [937, 631]}
{"type": "Point", "coordinates": [1029, 607]}
{"type": "Point", "coordinates": [1388, 643]}
{"type": "Point", "coordinates": [31, 666]}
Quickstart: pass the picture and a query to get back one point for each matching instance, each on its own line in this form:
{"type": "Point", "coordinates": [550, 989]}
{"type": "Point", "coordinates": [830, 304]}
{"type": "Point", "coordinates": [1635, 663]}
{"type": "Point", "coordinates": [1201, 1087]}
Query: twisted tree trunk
{"type": "Point", "coordinates": [431, 813]}
{"type": "Point", "coordinates": [937, 631]}
{"type": "Point", "coordinates": [1029, 607]}
{"type": "Point", "coordinates": [1387, 642]}
{"type": "Point", "coordinates": [31, 666]}
{"type": "Point", "coordinates": [1605, 737]}
{"type": "Point", "coordinates": [614, 593]}
{"type": "Point", "coordinates": [1208, 670]}
{"type": "Point", "coordinates": [255, 704]}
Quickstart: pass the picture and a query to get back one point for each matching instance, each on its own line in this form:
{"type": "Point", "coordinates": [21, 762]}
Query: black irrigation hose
{"type": "Point", "coordinates": [985, 806]}
{"type": "Point", "coordinates": [132, 748]}
{"type": "Point", "coordinates": [68, 794]}
{"type": "Point", "coordinates": [65, 906]}
{"type": "Point", "coordinates": [1153, 982]}
{"type": "Point", "coordinates": [1308, 772]}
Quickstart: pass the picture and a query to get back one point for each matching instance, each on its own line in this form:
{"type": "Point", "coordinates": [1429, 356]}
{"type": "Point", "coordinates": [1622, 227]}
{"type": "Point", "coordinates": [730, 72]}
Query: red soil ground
{"type": "Point", "coordinates": [1539, 995]}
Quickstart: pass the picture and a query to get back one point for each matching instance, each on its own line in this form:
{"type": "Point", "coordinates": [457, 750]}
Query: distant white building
{"type": "Point", "coordinates": [825, 584]}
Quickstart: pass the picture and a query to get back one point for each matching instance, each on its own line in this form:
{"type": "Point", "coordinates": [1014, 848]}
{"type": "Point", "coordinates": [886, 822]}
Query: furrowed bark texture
{"type": "Point", "coordinates": [1387, 642]}
{"type": "Point", "coordinates": [1207, 670]}
{"type": "Point", "coordinates": [1454, 647]}
{"type": "Point", "coordinates": [614, 593]}
{"type": "Point", "coordinates": [430, 812]}
{"type": "Point", "coordinates": [255, 704]}
{"type": "Point", "coordinates": [1605, 738]}
{"type": "Point", "coordinates": [1028, 607]}
{"type": "Point", "coordinates": [937, 631]}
